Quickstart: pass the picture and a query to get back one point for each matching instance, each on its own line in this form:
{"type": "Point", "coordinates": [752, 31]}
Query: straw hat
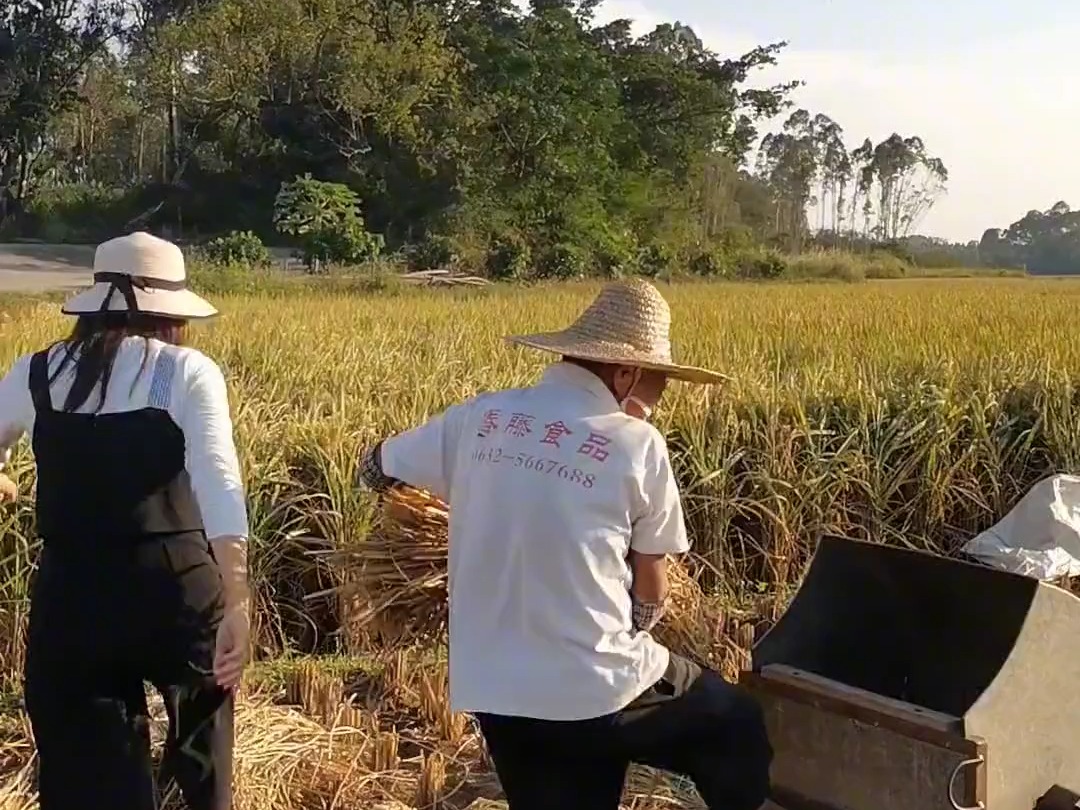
{"type": "Point", "coordinates": [140, 273]}
{"type": "Point", "coordinates": [628, 324]}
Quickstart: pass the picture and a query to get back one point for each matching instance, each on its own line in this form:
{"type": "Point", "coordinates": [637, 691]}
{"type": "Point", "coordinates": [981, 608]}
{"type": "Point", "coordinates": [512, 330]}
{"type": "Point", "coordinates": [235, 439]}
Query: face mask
{"type": "Point", "coordinates": [646, 411]}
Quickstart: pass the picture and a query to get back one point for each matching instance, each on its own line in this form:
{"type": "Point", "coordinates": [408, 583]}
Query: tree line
{"type": "Point", "coordinates": [463, 127]}
{"type": "Point", "coordinates": [1041, 242]}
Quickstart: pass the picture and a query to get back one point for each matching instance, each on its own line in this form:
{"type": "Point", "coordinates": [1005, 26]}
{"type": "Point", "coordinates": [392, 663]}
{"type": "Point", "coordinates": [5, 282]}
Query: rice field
{"type": "Point", "coordinates": [912, 412]}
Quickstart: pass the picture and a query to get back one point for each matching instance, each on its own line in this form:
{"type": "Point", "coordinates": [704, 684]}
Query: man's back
{"type": "Point", "coordinates": [557, 493]}
{"type": "Point", "coordinates": [546, 485]}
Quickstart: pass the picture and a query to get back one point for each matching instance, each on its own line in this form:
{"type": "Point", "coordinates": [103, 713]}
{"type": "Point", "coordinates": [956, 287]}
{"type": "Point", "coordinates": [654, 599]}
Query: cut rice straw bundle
{"type": "Point", "coordinates": [698, 626]}
{"type": "Point", "coordinates": [395, 579]}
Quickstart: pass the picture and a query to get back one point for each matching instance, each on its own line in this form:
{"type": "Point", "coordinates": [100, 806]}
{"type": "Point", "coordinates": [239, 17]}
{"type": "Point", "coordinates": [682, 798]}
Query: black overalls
{"type": "Point", "coordinates": [127, 591]}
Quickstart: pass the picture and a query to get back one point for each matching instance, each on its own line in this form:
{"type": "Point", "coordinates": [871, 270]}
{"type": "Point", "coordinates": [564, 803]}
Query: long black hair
{"type": "Point", "coordinates": [94, 341]}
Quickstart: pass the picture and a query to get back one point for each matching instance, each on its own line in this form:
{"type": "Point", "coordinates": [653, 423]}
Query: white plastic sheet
{"type": "Point", "coordinates": [1040, 537]}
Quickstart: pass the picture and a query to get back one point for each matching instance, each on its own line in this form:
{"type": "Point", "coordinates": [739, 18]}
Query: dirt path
{"type": "Point", "coordinates": [41, 268]}
{"type": "Point", "coordinates": [38, 268]}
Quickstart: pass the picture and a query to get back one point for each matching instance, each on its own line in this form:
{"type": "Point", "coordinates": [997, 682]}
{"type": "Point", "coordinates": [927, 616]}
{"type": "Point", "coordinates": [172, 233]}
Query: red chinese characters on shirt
{"type": "Point", "coordinates": [555, 431]}
{"type": "Point", "coordinates": [593, 447]}
{"type": "Point", "coordinates": [489, 424]}
{"type": "Point", "coordinates": [520, 424]}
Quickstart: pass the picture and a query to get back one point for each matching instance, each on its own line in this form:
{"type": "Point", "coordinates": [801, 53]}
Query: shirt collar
{"type": "Point", "coordinates": [572, 376]}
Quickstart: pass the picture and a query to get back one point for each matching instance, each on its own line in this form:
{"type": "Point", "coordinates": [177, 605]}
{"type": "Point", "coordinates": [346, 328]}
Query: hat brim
{"type": "Point", "coordinates": [179, 304]}
{"type": "Point", "coordinates": [568, 345]}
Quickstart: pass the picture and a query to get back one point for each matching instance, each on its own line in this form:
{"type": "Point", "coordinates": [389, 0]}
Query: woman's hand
{"type": "Point", "coordinates": [231, 648]}
{"type": "Point", "coordinates": [9, 490]}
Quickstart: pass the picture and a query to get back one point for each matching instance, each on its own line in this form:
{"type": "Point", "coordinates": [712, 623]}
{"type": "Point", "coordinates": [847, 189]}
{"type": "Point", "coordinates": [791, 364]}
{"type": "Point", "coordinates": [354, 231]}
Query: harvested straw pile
{"type": "Point", "coordinates": [323, 742]}
{"type": "Point", "coordinates": [388, 740]}
{"type": "Point", "coordinates": [443, 278]}
{"type": "Point", "coordinates": [396, 586]}
{"type": "Point", "coordinates": [395, 579]}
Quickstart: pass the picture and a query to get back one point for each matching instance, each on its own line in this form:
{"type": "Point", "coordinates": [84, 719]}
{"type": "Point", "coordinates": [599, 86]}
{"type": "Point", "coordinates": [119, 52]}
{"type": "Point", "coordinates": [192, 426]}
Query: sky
{"type": "Point", "coordinates": [992, 86]}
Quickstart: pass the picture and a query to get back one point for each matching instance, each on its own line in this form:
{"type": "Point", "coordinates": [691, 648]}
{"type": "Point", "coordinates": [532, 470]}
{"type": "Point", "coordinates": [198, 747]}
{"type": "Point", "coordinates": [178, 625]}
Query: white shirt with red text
{"type": "Point", "coordinates": [549, 488]}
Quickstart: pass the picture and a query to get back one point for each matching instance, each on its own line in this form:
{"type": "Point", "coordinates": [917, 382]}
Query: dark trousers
{"type": "Point", "coordinates": [90, 650]}
{"type": "Point", "coordinates": [692, 722]}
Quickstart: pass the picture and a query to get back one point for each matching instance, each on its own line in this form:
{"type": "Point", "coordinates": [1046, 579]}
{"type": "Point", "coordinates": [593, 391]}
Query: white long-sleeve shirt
{"type": "Point", "coordinates": [148, 372]}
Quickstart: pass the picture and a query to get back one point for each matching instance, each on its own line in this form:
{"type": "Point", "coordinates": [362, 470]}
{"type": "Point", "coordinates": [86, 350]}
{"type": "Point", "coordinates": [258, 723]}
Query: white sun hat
{"type": "Point", "coordinates": [140, 273]}
{"type": "Point", "coordinates": [629, 324]}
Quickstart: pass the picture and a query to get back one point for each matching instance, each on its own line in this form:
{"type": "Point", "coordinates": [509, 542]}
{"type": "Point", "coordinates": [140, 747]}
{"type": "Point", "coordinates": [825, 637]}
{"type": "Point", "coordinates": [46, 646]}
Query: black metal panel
{"type": "Point", "coordinates": [901, 623]}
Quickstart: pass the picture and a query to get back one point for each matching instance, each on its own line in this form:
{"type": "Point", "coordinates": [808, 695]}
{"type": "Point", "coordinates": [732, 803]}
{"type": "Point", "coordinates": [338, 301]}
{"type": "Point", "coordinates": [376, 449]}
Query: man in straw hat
{"type": "Point", "coordinates": [563, 507]}
{"type": "Point", "coordinates": [141, 510]}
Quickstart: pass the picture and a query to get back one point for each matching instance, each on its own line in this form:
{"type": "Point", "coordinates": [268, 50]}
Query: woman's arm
{"type": "Point", "coordinates": [214, 469]}
{"type": "Point", "coordinates": [16, 407]}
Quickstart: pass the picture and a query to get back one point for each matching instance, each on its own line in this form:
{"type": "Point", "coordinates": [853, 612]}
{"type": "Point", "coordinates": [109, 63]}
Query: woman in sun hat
{"type": "Point", "coordinates": [136, 468]}
{"type": "Point", "coordinates": [563, 507]}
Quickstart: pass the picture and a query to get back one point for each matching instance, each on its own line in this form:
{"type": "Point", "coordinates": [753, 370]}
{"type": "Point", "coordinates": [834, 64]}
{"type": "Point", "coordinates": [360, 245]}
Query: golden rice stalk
{"type": "Point", "coordinates": [398, 674]}
{"type": "Point", "coordinates": [318, 694]}
{"type": "Point", "coordinates": [435, 706]}
{"type": "Point", "coordinates": [700, 627]}
{"type": "Point", "coordinates": [385, 757]}
{"type": "Point", "coordinates": [17, 790]}
{"type": "Point", "coordinates": [653, 789]}
{"type": "Point", "coordinates": [431, 786]}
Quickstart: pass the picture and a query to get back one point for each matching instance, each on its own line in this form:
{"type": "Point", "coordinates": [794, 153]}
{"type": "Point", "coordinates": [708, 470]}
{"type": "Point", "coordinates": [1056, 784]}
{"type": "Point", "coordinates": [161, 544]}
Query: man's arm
{"type": "Point", "coordinates": [370, 474]}
{"type": "Point", "coordinates": [658, 531]}
{"type": "Point", "coordinates": [422, 457]}
{"type": "Point", "coordinates": [648, 594]}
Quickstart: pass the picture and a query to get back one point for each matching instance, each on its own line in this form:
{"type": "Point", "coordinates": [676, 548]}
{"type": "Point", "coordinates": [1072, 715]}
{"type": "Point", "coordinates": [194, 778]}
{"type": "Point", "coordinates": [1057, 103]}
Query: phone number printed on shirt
{"type": "Point", "coordinates": [543, 466]}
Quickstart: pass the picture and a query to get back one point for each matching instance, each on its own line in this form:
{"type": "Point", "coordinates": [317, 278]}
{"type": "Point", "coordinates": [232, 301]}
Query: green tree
{"type": "Point", "coordinates": [835, 167]}
{"type": "Point", "coordinates": [909, 182]}
{"type": "Point", "coordinates": [1043, 242]}
{"type": "Point", "coordinates": [325, 217]}
{"type": "Point", "coordinates": [46, 46]}
{"type": "Point", "coordinates": [518, 140]}
{"type": "Point", "coordinates": [789, 161]}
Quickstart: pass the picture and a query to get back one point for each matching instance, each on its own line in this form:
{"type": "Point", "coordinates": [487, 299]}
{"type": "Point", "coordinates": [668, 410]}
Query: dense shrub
{"type": "Point", "coordinates": [433, 252]}
{"type": "Point", "coordinates": [655, 259]}
{"type": "Point", "coordinates": [761, 264]}
{"type": "Point", "coordinates": [325, 217]}
{"type": "Point", "coordinates": [886, 265]}
{"type": "Point", "coordinates": [564, 261]}
{"type": "Point", "coordinates": [237, 247]}
{"type": "Point", "coordinates": [510, 257]}
{"type": "Point", "coordinates": [711, 263]}
{"type": "Point", "coordinates": [78, 213]}
{"type": "Point", "coordinates": [615, 252]}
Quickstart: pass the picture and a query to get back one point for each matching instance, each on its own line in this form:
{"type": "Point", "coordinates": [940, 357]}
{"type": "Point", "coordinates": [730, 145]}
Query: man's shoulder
{"type": "Point", "coordinates": [488, 398]}
{"type": "Point", "coordinates": [497, 400]}
{"type": "Point", "coordinates": [635, 438]}
{"type": "Point", "coordinates": [632, 433]}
